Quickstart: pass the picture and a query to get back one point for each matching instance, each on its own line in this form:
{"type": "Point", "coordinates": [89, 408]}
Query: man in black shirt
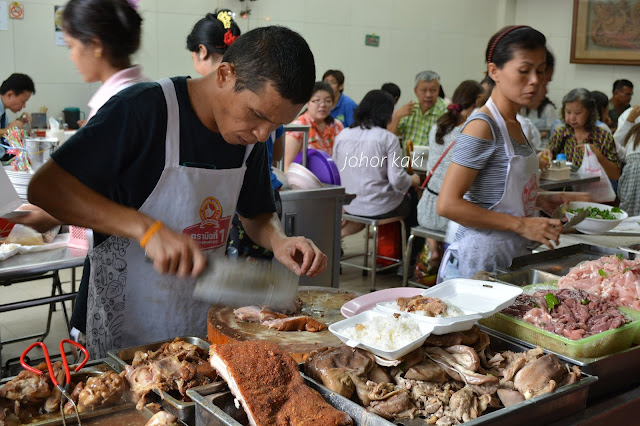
{"type": "Point", "coordinates": [126, 173]}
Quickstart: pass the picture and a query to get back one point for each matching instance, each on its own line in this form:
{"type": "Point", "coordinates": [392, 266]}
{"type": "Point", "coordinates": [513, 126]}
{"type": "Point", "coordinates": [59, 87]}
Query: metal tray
{"type": "Point", "coordinates": [215, 406]}
{"type": "Point", "coordinates": [92, 368]}
{"type": "Point", "coordinates": [525, 277]}
{"type": "Point", "coordinates": [615, 372]}
{"type": "Point", "coordinates": [561, 260]}
{"type": "Point", "coordinates": [184, 411]}
{"type": "Point", "coordinates": [542, 409]}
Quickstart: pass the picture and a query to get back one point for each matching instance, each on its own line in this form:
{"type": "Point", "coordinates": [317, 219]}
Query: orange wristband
{"type": "Point", "coordinates": [155, 227]}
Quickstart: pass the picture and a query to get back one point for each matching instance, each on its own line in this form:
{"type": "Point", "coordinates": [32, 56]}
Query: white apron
{"type": "Point", "coordinates": [487, 249]}
{"type": "Point", "coordinates": [129, 303]}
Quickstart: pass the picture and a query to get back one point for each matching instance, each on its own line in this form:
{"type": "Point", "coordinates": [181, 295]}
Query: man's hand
{"type": "Point", "coordinates": [15, 123]}
{"type": "Point", "coordinates": [174, 253]}
{"type": "Point", "coordinates": [300, 255]}
{"type": "Point", "coordinates": [37, 218]}
{"type": "Point", "coordinates": [404, 110]}
{"type": "Point", "coordinates": [25, 117]}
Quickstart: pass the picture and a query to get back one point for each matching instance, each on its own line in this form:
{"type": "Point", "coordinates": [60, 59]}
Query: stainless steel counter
{"type": "Point", "coordinates": [559, 184]}
{"type": "Point", "coordinates": [316, 214]}
{"type": "Point", "coordinates": [40, 262]}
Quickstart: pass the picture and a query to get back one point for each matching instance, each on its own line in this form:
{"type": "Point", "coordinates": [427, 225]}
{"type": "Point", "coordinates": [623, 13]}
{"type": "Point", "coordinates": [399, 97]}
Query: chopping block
{"type": "Point", "coordinates": [320, 303]}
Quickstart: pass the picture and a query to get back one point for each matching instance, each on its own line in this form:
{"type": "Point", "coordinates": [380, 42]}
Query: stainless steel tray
{"type": "Point", "coordinates": [92, 368]}
{"type": "Point", "coordinates": [616, 372]}
{"type": "Point", "coordinates": [526, 277]}
{"type": "Point", "coordinates": [184, 411]}
{"type": "Point", "coordinates": [541, 409]}
{"type": "Point", "coordinates": [561, 260]}
{"type": "Point", "coordinates": [215, 406]}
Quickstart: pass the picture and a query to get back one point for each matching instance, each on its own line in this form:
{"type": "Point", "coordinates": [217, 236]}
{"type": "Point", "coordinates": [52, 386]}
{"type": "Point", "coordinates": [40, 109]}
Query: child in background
{"type": "Point", "coordinates": [580, 113]}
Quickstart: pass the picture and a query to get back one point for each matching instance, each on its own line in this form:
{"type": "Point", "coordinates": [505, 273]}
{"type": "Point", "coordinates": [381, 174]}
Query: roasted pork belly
{"type": "Point", "coordinates": [269, 386]}
{"type": "Point", "coordinates": [301, 323]}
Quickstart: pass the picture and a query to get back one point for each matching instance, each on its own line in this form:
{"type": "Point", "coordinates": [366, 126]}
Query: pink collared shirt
{"type": "Point", "coordinates": [120, 80]}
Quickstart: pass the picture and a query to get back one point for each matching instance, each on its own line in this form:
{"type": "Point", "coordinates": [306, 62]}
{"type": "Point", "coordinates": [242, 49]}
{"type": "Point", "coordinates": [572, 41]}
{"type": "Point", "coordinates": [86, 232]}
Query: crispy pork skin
{"type": "Point", "coordinates": [256, 314]}
{"type": "Point", "coordinates": [301, 323]}
{"type": "Point", "coordinates": [269, 386]}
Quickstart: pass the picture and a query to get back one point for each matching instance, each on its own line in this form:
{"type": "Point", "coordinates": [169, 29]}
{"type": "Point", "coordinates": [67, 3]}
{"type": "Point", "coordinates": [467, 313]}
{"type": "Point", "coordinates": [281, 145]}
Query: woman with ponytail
{"type": "Point", "coordinates": [441, 138]}
{"type": "Point", "coordinates": [102, 35]}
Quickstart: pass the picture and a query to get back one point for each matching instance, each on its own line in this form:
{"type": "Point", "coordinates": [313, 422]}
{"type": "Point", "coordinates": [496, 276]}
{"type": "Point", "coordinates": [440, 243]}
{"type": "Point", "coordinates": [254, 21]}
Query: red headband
{"type": "Point", "coordinates": [495, 42]}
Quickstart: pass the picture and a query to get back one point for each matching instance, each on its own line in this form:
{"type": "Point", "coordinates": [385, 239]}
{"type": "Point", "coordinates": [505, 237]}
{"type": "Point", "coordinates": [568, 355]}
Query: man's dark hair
{"type": "Point", "coordinates": [18, 83]}
{"type": "Point", "coordinates": [337, 74]}
{"type": "Point", "coordinates": [392, 89]}
{"type": "Point", "coordinates": [375, 110]}
{"type": "Point", "coordinates": [277, 55]}
{"type": "Point", "coordinates": [619, 84]}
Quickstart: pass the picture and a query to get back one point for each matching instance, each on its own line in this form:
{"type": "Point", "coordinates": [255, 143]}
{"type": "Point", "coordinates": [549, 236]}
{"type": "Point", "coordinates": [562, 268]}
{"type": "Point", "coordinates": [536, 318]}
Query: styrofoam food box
{"type": "Point", "coordinates": [477, 299]}
{"type": "Point", "coordinates": [338, 327]}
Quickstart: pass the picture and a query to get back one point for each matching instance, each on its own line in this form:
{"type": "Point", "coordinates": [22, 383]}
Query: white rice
{"type": "Point", "coordinates": [387, 333]}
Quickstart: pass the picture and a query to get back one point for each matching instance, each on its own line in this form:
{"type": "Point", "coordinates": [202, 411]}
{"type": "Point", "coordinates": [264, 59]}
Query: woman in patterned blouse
{"type": "Point", "coordinates": [580, 114]}
{"type": "Point", "coordinates": [324, 128]}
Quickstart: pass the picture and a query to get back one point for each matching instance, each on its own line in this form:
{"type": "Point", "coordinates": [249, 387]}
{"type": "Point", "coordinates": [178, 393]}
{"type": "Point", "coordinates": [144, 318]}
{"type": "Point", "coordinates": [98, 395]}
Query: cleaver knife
{"type": "Point", "coordinates": [243, 281]}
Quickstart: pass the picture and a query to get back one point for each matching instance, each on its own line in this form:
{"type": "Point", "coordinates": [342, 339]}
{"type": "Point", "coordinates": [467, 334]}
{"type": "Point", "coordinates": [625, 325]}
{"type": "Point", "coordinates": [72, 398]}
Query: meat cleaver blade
{"type": "Point", "coordinates": [240, 282]}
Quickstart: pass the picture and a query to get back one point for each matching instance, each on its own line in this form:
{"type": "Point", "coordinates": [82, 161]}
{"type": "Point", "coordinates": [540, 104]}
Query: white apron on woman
{"type": "Point", "coordinates": [129, 303]}
{"type": "Point", "coordinates": [487, 249]}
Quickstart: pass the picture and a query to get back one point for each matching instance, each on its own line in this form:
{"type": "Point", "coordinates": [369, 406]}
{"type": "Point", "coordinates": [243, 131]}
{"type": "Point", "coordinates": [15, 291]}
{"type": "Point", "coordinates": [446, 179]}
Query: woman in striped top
{"type": "Point", "coordinates": [491, 186]}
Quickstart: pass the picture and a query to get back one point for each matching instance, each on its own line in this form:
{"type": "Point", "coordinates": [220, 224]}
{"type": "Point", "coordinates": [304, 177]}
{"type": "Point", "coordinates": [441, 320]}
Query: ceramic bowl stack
{"type": "Point", "coordinates": [20, 181]}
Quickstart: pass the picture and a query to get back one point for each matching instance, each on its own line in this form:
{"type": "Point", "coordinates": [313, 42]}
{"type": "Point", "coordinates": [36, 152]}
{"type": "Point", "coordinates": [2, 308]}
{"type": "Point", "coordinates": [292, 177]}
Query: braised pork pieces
{"type": "Point", "coordinates": [450, 380]}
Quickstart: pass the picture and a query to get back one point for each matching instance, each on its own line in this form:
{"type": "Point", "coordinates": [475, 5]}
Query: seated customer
{"type": "Point", "coordinates": [324, 128]}
{"type": "Point", "coordinates": [343, 106]}
{"type": "Point", "coordinates": [580, 114]}
{"type": "Point", "coordinates": [368, 157]}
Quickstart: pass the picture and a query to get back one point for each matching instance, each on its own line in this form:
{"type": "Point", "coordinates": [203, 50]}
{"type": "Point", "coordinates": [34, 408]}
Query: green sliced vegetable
{"type": "Point", "coordinates": [602, 273]}
{"type": "Point", "coordinates": [585, 301]}
{"type": "Point", "coordinates": [620, 256]}
{"type": "Point", "coordinates": [551, 300]}
{"type": "Point", "coordinates": [596, 213]}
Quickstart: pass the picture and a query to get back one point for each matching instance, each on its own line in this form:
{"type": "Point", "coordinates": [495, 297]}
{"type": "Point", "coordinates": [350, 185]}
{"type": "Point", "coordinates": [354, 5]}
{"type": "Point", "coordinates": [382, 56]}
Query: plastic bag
{"type": "Point", "coordinates": [24, 236]}
{"type": "Point", "coordinates": [601, 191]}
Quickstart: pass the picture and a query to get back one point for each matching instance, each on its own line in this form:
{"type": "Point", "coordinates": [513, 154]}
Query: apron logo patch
{"type": "Point", "coordinates": [212, 230]}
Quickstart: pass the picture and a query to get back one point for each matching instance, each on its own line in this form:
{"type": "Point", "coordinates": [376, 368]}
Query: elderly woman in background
{"type": "Point", "coordinates": [368, 157]}
{"type": "Point", "coordinates": [210, 38]}
{"type": "Point", "coordinates": [324, 128]}
{"type": "Point", "coordinates": [441, 139]}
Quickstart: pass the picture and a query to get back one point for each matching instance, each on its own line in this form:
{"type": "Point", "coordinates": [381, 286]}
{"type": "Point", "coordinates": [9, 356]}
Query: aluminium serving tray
{"type": "Point", "coordinates": [215, 406]}
{"type": "Point", "coordinates": [615, 372]}
{"type": "Point", "coordinates": [91, 369]}
{"type": "Point", "coordinates": [542, 409]}
{"type": "Point", "coordinates": [561, 260]}
{"type": "Point", "coordinates": [184, 411]}
{"type": "Point", "coordinates": [525, 277]}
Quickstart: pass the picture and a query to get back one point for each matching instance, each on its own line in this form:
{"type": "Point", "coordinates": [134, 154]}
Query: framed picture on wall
{"type": "Point", "coordinates": [606, 32]}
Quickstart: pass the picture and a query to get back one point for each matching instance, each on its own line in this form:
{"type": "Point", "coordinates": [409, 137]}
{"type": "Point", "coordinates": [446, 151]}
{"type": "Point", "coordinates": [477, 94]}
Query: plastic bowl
{"type": "Point", "coordinates": [595, 226]}
{"type": "Point", "coordinates": [301, 178]}
{"type": "Point", "coordinates": [321, 165]}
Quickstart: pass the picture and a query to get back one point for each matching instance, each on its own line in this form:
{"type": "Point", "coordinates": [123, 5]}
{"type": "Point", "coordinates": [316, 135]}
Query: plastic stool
{"type": "Point", "coordinates": [417, 231]}
{"type": "Point", "coordinates": [373, 255]}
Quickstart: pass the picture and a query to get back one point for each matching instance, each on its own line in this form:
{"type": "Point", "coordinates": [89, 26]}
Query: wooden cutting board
{"type": "Point", "coordinates": [320, 303]}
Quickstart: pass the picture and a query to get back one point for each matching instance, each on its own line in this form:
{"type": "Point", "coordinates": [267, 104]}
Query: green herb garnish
{"type": "Point", "coordinates": [628, 268]}
{"type": "Point", "coordinates": [585, 302]}
{"type": "Point", "coordinates": [620, 256]}
{"type": "Point", "coordinates": [551, 300]}
{"type": "Point", "coordinates": [596, 213]}
{"type": "Point", "coordinates": [602, 273]}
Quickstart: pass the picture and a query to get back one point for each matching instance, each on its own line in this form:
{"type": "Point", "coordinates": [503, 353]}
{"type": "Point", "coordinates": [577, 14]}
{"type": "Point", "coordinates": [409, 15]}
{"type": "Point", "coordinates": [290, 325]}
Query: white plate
{"type": "Point", "coordinates": [338, 327]}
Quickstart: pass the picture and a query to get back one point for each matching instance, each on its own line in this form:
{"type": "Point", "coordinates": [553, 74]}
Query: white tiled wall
{"type": "Point", "coordinates": [448, 36]}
